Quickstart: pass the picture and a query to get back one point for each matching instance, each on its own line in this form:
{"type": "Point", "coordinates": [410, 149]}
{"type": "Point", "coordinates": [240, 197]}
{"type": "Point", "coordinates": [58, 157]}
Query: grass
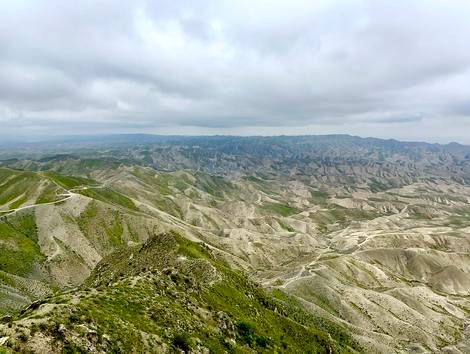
{"type": "Point", "coordinates": [296, 312]}
{"type": "Point", "coordinates": [190, 249]}
{"type": "Point", "coordinates": [216, 186]}
{"type": "Point", "coordinates": [261, 184]}
{"type": "Point", "coordinates": [21, 186]}
{"type": "Point", "coordinates": [18, 202]}
{"type": "Point", "coordinates": [19, 250]}
{"type": "Point", "coordinates": [282, 209]}
{"type": "Point", "coordinates": [110, 196]}
{"type": "Point", "coordinates": [340, 216]}
{"type": "Point", "coordinates": [115, 229]}
{"type": "Point", "coordinates": [18, 184]}
{"type": "Point", "coordinates": [257, 324]}
{"type": "Point", "coordinates": [68, 182]}
{"type": "Point", "coordinates": [164, 183]}
{"type": "Point", "coordinates": [48, 194]}
{"type": "Point", "coordinates": [148, 298]}
{"type": "Point", "coordinates": [91, 211]}
{"type": "Point", "coordinates": [420, 215]}
{"type": "Point", "coordinates": [158, 182]}
{"type": "Point", "coordinates": [169, 206]}
{"type": "Point", "coordinates": [377, 186]}
{"type": "Point", "coordinates": [458, 221]}
{"type": "Point", "coordinates": [319, 197]}
{"type": "Point", "coordinates": [103, 226]}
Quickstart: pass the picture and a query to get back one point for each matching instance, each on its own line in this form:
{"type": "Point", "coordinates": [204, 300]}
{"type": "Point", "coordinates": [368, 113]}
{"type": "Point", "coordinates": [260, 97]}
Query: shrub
{"type": "Point", "coordinates": [246, 331]}
{"type": "Point", "coordinates": [262, 341]}
{"type": "Point", "coordinates": [183, 342]}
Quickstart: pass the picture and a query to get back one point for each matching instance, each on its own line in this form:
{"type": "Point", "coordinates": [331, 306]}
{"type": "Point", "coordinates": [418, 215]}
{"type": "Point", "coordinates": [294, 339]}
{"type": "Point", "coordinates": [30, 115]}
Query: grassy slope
{"type": "Point", "coordinates": [20, 256]}
{"type": "Point", "coordinates": [172, 293]}
{"type": "Point", "coordinates": [23, 274]}
{"type": "Point", "coordinates": [19, 187]}
{"type": "Point", "coordinates": [19, 249]}
{"type": "Point", "coordinates": [110, 196]}
{"type": "Point", "coordinates": [69, 182]}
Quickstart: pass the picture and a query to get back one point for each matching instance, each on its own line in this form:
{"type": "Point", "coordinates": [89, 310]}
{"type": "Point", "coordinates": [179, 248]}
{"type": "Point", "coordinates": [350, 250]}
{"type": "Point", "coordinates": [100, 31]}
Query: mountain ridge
{"type": "Point", "coordinates": [155, 138]}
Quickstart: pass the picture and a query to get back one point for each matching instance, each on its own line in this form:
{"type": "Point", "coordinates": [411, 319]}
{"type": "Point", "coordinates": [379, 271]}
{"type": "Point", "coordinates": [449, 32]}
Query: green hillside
{"type": "Point", "coordinates": [171, 294]}
{"type": "Point", "coordinates": [20, 188]}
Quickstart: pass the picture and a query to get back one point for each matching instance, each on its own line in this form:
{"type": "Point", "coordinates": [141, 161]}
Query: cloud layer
{"type": "Point", "coordinates": [384, 68]}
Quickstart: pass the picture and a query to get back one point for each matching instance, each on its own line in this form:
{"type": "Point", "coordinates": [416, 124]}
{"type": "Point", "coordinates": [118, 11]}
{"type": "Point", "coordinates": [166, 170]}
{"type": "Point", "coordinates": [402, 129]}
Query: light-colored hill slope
{"type": "Point", "coordinates": [391, 265]}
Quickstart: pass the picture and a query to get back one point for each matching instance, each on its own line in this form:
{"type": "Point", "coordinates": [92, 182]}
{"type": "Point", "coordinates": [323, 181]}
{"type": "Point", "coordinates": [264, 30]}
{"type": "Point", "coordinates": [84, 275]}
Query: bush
{"type": "Point", "coordinates": [262, 341]}
{"type": "Point", "coordinates": [183, 342]}
{"type": "Point", "coordinates": [23, 337]}
{"type": "Point", "coordinates": [246, 331]}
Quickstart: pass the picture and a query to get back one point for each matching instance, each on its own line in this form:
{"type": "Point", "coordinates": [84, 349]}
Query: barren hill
{"type": "Point", "coordinates": [367, 235]}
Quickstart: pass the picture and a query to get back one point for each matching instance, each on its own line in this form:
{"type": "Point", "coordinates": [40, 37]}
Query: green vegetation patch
{"type": "Point", "coordinates": [174, 292]}
{"type": "Point", "coordinates": [340, 216]}
{"type": "Point", "coordinates": [377, 186]}
{"type": "Point", "coordinates": [164, 183]}
{"type": "Point", "coordinates": [109, 196]}
{"type": "Point", "coordinates": [319, 197]}
{"type": "Point", "coordinates": [19, 250]}
{"type": "Point", "coordinates": [115, 229]}
{"type": "Point", "coordinates": [48, 195]}
{"type": "Point", "coordinates": [69, 182]}
{"type": "Point", "coordinates": [216, 186]}
{"type": "Point", "coordinates": [169, 206]}
{"type": "Point", "coordinates": [261, 184]}
{"type": "Point", "coordinates": [279, 208]}
{"type": "Point", "coordinates": [18, 202]}
{"type": "Point", "coordinates": [103, 226]}
{"type": "Point", "coordinates": [18, 184]}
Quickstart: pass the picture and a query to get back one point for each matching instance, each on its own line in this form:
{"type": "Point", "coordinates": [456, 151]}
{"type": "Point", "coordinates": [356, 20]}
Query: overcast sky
{"type": "Point", "coordinates": [386, 68]}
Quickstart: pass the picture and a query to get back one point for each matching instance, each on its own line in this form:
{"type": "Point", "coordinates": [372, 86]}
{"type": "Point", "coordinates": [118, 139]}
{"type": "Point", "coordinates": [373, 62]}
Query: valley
{"type": "Point", "coordinates": [364, 242]}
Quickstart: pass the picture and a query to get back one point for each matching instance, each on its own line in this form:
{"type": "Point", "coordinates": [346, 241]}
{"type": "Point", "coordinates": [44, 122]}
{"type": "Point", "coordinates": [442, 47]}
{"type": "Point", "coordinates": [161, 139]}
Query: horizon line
{"type": "Point", "coordinates": [53, 137]}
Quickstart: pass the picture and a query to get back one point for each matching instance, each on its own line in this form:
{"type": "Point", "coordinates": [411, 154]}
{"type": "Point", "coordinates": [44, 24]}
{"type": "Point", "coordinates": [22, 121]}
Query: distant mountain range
{"type": "Point", "coordinates": [331, 156]}
{"type": "Point", "coordinates": [137, 139]}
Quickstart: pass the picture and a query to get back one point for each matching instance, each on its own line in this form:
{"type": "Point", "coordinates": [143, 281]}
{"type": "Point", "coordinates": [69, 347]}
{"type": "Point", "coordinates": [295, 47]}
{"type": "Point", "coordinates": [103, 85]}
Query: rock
{"type": "Point", "coordinates": [33, 306]}
{"type": "Point", "coordinates": [225, 324]}
{"type": "Point", "coordinates": [92, 336]}
{"type": "Point", "coordinates": [6, 319]}
{"type": "Point", "coordinates": [4, 341]}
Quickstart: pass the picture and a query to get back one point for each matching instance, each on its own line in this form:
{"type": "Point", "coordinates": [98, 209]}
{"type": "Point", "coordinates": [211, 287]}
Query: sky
{"type": "Point", "coordinates": [393, 69]}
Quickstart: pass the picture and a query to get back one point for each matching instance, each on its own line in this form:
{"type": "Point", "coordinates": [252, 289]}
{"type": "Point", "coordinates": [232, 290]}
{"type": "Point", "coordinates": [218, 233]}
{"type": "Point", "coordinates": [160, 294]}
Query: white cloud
{"type": "Point", "coordinates": [363, 67]}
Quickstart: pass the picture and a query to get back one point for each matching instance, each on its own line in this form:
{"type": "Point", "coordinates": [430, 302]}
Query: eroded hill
{"type": "Point", "coordinates": [168, 295]}
{"type": "Point", "coordinates": [375, 240]}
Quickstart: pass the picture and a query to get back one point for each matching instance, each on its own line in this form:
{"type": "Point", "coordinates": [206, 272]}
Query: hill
{"type": "Point", "coordinates": [166, 295]}
{"type": "Point", "coordinates": [366, 234]}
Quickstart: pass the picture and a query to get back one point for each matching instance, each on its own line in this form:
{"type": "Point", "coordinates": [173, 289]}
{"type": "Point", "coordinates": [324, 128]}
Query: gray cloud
{"type": "Point", "coordinates": [365, 67]}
